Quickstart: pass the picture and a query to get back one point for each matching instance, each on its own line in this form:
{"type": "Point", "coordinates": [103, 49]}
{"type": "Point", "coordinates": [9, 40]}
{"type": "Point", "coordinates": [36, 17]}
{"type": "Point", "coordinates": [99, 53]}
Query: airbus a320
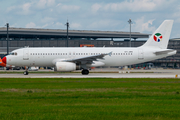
{"type": "Point", "coordinates": [83, 58]}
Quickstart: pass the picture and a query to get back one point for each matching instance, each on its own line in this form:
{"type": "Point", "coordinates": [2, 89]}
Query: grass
{"type": "Point", "coordinates": [89, 98]}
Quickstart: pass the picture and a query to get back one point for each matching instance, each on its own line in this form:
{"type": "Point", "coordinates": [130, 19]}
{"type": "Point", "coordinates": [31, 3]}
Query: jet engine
{"type": "Point", "coordinates": [66, 66]}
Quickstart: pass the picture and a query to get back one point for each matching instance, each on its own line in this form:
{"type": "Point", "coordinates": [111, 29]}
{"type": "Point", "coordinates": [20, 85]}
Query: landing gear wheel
{"type": "Point", "coordinates": [25, 73]}
{"type": "Point", "coordinates": [85, 72]}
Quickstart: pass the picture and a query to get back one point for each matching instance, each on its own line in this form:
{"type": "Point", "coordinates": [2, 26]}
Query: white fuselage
{"type": "Point", "coordinates": [47, 56]}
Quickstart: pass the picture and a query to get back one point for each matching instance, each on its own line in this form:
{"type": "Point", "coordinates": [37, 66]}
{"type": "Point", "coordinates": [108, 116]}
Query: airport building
{"type": "Point", "coordinates": [28, 37]}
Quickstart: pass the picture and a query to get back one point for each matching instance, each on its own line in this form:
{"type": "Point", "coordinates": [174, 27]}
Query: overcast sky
{"type": "Point", "coordinates": [106, 15]}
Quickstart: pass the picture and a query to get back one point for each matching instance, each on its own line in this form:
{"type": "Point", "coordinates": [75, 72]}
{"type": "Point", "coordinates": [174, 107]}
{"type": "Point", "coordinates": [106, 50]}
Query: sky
{"type": "Point", "coordinates": [105, 15]}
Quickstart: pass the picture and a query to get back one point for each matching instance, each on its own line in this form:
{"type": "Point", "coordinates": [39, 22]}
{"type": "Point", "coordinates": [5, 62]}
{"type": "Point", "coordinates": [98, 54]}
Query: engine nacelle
{"type": "Point", "coordinates": [66, 66]}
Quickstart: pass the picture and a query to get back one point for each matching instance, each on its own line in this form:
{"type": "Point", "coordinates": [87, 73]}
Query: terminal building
{"type": "Point", "coordinates": [28, 37]}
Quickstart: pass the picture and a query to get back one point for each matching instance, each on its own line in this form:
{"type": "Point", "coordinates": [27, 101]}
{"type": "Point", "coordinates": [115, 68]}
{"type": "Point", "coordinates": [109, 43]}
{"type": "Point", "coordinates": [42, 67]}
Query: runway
{"type": "Point", "coordinates": [97, 73]}
{"type": "Point", "coordinates": [92, 75]}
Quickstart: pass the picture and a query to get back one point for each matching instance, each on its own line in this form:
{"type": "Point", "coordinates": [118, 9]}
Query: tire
{"type": "Point", "coordinates": [25, 73]}
{"type": "Point", "coordinates": [85, 72]}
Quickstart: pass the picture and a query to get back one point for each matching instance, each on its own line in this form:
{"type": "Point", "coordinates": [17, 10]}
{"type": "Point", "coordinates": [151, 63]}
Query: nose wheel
{"type": "Point", "coordinates": [85, 72]}
{"type": "Point", "coordinates": [25, 73]}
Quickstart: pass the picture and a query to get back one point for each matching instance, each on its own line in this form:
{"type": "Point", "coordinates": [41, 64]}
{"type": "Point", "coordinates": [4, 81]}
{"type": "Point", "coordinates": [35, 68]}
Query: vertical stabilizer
{"type": "Point", "coordinates": [160, 37]}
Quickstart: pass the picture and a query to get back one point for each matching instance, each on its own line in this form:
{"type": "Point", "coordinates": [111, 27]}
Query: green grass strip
{"type": "Point", "coordinates": [89, 98]}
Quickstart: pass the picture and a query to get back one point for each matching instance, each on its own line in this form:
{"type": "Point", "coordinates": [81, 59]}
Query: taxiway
{"type": "Point", "coordinates": [101, 73]}
{"type": "Point", "coordinates": [92, 75]}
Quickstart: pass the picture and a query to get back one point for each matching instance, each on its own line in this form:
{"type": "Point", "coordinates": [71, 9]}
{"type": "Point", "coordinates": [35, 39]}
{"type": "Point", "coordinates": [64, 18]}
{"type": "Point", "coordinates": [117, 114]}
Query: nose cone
{"type": "Point", "coordinates": [4, 60]}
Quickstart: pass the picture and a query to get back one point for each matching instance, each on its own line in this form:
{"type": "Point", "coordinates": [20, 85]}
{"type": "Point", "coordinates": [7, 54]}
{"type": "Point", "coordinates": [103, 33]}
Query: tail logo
{"type": "Point", "coordinates": [158, 37]}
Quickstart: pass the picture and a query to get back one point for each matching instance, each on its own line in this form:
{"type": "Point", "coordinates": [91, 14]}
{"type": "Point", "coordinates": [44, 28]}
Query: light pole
{"type": "Point", "coordinates": [130, 22]}
{"type": "Point", "coordinates": [67, 24]}
{"type": "Point", "coordinates": [7, 38]}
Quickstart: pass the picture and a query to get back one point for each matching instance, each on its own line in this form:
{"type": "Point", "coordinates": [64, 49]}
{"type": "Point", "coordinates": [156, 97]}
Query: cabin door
{"type": "Point", "coordinates": [140, 54]}
{"type": "Point", "coordinates": [26, 54]}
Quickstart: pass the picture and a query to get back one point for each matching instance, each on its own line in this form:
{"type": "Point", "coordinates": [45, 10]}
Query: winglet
{"type": "Point", "coordinates": [110, 53]}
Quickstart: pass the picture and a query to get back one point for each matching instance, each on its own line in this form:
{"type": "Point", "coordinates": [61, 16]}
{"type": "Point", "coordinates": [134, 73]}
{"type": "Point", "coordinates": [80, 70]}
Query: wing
{"type": "Point", "coordinates": [88, 59]}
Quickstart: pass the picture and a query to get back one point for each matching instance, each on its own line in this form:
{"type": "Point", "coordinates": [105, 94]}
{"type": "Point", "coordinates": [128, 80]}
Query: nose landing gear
{"type": "Point", "coordinates": [25, 73]}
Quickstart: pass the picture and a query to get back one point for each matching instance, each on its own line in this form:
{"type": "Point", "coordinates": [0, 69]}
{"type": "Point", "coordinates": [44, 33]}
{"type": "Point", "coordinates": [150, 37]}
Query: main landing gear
{"type": "Point", "coordinates": [85, 72]}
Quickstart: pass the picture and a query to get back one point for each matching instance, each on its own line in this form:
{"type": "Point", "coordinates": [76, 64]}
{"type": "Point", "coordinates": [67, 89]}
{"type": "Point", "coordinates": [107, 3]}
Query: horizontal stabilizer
{"type": "Point", "coordinates": [164, 52]}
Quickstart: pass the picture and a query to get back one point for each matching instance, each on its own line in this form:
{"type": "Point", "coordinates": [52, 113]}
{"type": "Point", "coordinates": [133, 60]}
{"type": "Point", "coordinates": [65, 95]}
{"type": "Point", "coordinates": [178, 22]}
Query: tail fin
{"type": "Point", "coordinates": [160, 37]}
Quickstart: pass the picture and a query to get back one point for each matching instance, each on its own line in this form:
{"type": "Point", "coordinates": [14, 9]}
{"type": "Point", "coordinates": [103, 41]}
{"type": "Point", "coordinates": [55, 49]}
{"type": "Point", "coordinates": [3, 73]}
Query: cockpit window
{"type": "Point", "coordinates": [13, 53]}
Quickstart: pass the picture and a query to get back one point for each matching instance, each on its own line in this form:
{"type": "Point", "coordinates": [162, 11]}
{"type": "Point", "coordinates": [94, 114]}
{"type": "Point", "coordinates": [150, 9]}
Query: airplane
{"type": "Point", "coordinates": [83, 58]}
